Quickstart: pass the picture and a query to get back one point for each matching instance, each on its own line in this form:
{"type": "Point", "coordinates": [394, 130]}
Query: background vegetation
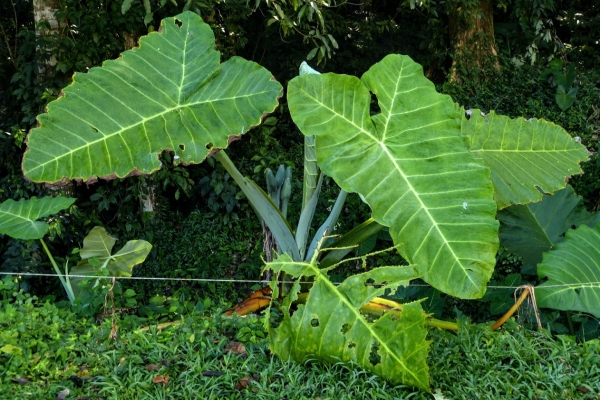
{"type": "Point", "coordinates": [202, 227]}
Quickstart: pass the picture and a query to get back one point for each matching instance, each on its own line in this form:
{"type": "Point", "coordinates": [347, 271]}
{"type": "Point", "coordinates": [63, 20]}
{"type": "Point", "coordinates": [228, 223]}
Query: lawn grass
{"type": "Point", "coordinates": [55, 350]}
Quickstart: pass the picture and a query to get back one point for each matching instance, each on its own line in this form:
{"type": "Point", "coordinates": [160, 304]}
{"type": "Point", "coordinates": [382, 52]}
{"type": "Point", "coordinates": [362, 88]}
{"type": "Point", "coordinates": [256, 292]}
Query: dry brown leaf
{"type": "Point", "coordinates": [161, 379]}
{"type": "Point", "coordinates": [235, 348]}
{"type": "Point", "coordinates": [257, 300]}
{"type": "Point", "coordinates": [152, 367]}
{"type": "Point", "coordinates": [242, 383]}
{"type": "Point", "coordinates": [262, 292]}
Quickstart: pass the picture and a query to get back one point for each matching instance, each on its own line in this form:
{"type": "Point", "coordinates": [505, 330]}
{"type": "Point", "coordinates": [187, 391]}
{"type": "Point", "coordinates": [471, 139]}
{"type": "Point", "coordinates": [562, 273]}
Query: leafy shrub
{"type": "Point", "coordinates": [36, 338]}
{"type": "Point", "coordinates": [195, 246]}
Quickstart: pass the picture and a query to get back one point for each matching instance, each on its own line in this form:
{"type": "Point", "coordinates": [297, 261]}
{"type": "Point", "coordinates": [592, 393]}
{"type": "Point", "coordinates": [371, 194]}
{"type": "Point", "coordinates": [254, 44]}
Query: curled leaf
{"type": "Point", "coordinates": [152, 367]}
{"type": "Point", "coordinates": [164, 380]}
{"type": "Point", "coordinates": [235, 348]}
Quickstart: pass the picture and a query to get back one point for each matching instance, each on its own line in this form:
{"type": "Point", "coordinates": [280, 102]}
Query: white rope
{"type": "Point", "coordinates": [147, 278]}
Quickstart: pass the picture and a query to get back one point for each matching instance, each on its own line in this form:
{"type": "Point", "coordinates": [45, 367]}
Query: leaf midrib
{"type": "Point", "coordinates": [411, 188]}
{"type": "Point", "coordinates": [358, 316]}
{"type": "Point", "coordinates": [142, 121]}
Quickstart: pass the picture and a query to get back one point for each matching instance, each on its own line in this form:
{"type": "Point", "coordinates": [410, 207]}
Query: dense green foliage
{"type": "Point", "coordinates": [54, 349]}
{"type": "Point", "coordinates": [203, 226]}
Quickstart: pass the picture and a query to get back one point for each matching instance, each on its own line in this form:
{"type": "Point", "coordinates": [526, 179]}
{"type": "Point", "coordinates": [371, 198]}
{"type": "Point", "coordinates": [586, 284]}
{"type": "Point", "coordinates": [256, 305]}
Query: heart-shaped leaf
{"type": "Point", "coordinates": [18, 218]}
{"type": "Point", "coordinates": [565, 99]}
{"type": "Point", "coordinates": [170, 93]}
{"type": "Point", "coordinates": [97, 244]}
{"type": "Point", "coordinates": [410, 163]}
{"type": "Point", "coordinates": [96, 253]}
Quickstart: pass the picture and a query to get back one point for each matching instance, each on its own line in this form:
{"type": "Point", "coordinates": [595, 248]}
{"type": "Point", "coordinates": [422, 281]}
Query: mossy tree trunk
{"type": "Point", "coordinates": [471, 30]}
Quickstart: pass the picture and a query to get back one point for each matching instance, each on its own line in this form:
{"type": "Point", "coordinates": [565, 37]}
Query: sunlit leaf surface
{"type": "Point", "coordinates": [170, 93]}
{"type": "Point", "coordinates": [330, 327]}
{"type": "Point", "coordinates": [410, 163]}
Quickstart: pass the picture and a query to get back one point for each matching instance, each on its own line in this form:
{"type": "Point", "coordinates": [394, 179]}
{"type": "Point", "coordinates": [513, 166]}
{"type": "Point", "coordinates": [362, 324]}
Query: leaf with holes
{"type": "Point", "coordinates": [330, 327]}
{"type": "Point", "coordinates": [523, 155]}
{"type": "Point", "coordinates": [411, 165]}
{"type": "Point", "coordinates": [573, 272]}
{"type": "Point", "coordinates": [171, 93]}
{"type": "Point", "coordinates": [18, 219]}
{"type": "Point", "coordinates": [530, 230]}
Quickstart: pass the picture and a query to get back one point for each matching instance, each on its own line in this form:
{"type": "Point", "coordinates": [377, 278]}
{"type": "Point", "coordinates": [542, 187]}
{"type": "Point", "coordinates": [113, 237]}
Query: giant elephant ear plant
{"type": "Point", "coordinates": [431, 172]}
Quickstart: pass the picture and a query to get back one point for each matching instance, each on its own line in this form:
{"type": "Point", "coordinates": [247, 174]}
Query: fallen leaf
{"type": "Point", "coordinates": [256, 301]}
{"type": "Point", "coordinates": [21, 381]}
{"type": "Point", "coordinates": [161, 379]}
{"type": "Point", "coordinates": [583, 389]}
{"type": "Point", "coordinates": [242, 383]}
{"type": "Point", "coordinates": [236, 348]}
{"type": "Point", "coordinates": [62, 395]}
{"type": "Point", "coordinates": [152, 367]}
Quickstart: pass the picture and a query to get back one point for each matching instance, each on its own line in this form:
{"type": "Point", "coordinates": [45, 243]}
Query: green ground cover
{"type": "Point", "coordinates": [48, 350]}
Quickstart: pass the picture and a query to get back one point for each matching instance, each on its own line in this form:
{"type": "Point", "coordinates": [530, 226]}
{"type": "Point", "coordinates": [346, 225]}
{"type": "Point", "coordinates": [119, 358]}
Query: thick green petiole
{"type": "Point", "coordinates": [64, 280]}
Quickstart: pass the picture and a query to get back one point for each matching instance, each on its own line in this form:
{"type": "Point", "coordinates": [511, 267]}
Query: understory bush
{"type": "Point", "coordinates": [195, 246]}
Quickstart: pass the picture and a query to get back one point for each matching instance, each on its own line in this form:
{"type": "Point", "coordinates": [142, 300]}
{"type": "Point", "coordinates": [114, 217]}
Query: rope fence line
{"type": "Point", "coordinates": [580, 285]}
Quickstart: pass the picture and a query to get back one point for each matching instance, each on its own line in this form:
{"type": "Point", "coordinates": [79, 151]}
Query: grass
{"type": "Point", "coordinates": [55, 350]}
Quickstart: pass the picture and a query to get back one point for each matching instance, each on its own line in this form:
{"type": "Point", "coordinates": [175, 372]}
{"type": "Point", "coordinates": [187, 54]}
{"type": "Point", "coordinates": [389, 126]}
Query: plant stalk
{"type": "Point", "coordinates": [66, 286]}
{"type": "Point", "coordinates": [378, 307]}
{"type": "Point", "coordinates": [512, 310]}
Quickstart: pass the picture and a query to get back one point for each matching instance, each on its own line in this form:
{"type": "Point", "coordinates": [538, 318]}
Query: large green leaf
{"type": "Point", "coordinates": [411, 165]}
{"type": "Point", "coordinates": [97, 244]}
{"type": "Point", "coordinates": [565, 99]}
{"type": "Point", "coordinates": [330, 327]}
{"type": "Point", "coordinates": [96, 255]}
{"type": "Point", "coordinates": [573, 272]}
{"type": "Point", "coordinates": [530, 230]}
{"type": "Point", "coordinates": [170, 93]}
{"type": "Point", "coordinates": [18, 218]}
{"type": "Point", "coordinates": [524, 155]}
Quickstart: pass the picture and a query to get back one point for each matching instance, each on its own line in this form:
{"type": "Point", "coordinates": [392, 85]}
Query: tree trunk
{"type": "Point", "coordinates": [472, 36]}
{"type": "Point", "coordinates": [43, 11]}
